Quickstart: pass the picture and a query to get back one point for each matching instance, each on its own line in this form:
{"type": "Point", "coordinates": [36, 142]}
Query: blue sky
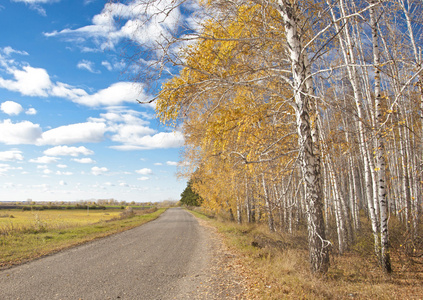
{"type": "Point", "coordinates": [70, 126]}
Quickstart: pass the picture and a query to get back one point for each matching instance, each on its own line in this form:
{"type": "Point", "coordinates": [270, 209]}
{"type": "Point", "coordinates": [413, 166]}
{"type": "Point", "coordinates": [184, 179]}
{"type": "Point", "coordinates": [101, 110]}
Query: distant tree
{"type": "Point", "coordinates": [189, 197]}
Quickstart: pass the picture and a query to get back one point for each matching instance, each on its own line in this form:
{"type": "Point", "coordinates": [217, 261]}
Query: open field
{"type": "Point", "coordinates": [276, 267]}
{"type": "Point", "coordinates": [18, 220]}
{"type": "Point", "coordinates": [25, 235]}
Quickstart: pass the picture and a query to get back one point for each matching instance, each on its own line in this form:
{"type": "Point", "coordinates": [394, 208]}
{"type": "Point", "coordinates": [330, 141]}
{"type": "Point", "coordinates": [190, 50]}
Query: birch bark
{"type": "Point", "coordinates": [309, 159]}
{"type": "Point", "coordinates": [380, 149]}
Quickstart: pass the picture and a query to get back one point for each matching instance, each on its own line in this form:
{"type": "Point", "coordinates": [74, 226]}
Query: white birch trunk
{"type": "Point", "coordinates": [270, 221]}
{"type": "Point", "coordinates": [380, 150]}
{"type": "Point", "coordinates": [345, 41]}
{"type": "Point", "coordinates": [309, 160]}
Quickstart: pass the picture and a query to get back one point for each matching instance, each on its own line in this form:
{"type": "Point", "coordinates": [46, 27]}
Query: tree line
{"type": "Point", "coordinates": [300, 112]}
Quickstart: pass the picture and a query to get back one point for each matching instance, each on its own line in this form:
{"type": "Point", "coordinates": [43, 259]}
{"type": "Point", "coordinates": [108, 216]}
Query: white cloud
{"type": "Point", "coordinates": [161, 140]}
{"type": "Point", "coordinates": [29, 81]}
{"type": "Point", "coordinates": [87, 65]}
{"type": "Point", "coordinates": [36, 82]}
{"type": "Point", "coordinates": [64, 173]}
{"type": "Point", "coordinates": [75, 133]}
{"type": "Point", "coordinates": [143, 178]}
{"type": "Point", "coordinates": [9, 50]}
{"type": "Point", "coordinates": [115, 94]}
{"type": "Point", "coordinates": [67, 91]}
{"type": "Point", "coordinates": [117, 65]}
{"type": "Point", "coordinates": [107, 65]}
{"type": "Point", "coordinates": [144, 171]}
{"type": "Point", "coordinates": [47, 171]}
{"type": "Point", "coordinates": [31, 111]}
{"type": "Point", "coordinates": [172, 163]}
{"type": "Point", "coordinates": [143, 24]}
{"type": "Point", "coordinates": [68, 151]}
{"type": "Point", "coordinates": [44, 160]}
{"type": "Point", "coordinates": [84, 160]}
{"type": "Point", "coordinates": [127, 134]}
{"type": "Point", "coordinates": [61, 182]}
{"type": "Point", "coordinates": [35, 5]}
{"type": "Point", "coordinates": [158, 164]}
{"type": "Point", "coordinates": [11, 108]}
{"type": "Point", "coordinates": [11, 155]}
{"type": "Point", "coordinates": [62, 166]}
{"type": "Point", "coordinates": [23, 132]}
{"type": "Point", "coordinates": [4, 168]}
{"type": "Point", "coordinates": [99, 171]}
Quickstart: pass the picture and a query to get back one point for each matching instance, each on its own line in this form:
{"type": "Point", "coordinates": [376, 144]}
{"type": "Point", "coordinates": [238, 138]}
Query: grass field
{"type": "Point", "coordinates": [276, 267]}
{"type": "Point", "coordinates": [26, 235]}
{"type": "Point", "coordinates": [17, 220]}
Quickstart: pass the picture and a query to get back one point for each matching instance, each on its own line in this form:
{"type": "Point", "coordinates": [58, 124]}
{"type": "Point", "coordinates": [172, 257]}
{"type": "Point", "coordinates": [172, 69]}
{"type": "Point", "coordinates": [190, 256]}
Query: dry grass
{"type": "Point", "coordinates": [31, 235]}
{"type": "Point", "coordinates": [17, 221]}
{"type": "Point", "coordinates": [276, 267]}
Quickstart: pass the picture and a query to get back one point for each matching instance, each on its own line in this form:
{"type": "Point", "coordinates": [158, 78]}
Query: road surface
{"type": "Point", "coordinates": [172, 257]}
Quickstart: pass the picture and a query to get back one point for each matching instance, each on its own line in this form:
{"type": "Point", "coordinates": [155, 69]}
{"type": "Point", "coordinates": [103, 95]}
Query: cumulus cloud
{"type": "Point", "coordinates": [31, 111]}
{"type": "Point", "coordinates": [23, 132]}
{"type": "Point", "coordinates": [44, 160]}
{"type": "Point", "coordinates": [88, 132]}
{"type": "Point", "coordinates": [144, 171]}
{"type": "Point", "coordinates": [62, 166]}
{"type": "Point", "coordinates": [47, 171]}
{"type": "Point", "coordinates": [61, 182]}
{"type": "Point", "coordinates": [36, 82]}
{"type": "Point", "coordinates": [161, 140]}
{"type": "Point", "coordinates": [11, 155]}
{"type": "Point", "coordinates": [84, 160]}
{"type": "Point", "coordinates": [11, 108]}
{"type": "Point", "coordinates": [115, 94]}
{"type": "Point", "coordinates": [68, 151]}
{"type": "Point", "coordinates": [143, 178]}
{"type": "Point", "coordinates": [127, 134]}
{"type": "Point", "coordinates": [64, 173]}
{"type": "Point", "coordinates": [98, 171]}
{"type": "Point", "coordinates": [172, 163]}
{"type": "Point", "coordinates": [29, 81]}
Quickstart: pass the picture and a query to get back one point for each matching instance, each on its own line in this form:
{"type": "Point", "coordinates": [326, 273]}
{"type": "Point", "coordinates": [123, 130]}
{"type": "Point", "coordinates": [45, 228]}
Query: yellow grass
{"type": "Point", "coordinates": [26, 235]}
{"type": "Point", "coordinates": [18, 220]}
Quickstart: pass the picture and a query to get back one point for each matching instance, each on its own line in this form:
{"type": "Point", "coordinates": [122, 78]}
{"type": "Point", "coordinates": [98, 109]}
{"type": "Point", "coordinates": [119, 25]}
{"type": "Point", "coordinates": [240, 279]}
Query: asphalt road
{"type": "Point", "coordinates": [165, 259]}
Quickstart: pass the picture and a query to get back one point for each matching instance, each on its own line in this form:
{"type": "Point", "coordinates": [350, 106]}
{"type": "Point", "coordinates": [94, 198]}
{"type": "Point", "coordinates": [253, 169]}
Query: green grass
{"type": "Point", "coordinates": [27, 240]}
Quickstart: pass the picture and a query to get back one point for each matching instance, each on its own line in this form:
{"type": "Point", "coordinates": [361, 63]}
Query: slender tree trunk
{"type": "Point", "coordinates": [380, 150]}
{"type": "Point", "coordinates": [309, 159]}
{"type": "Point", "coordinates": [247, 201]}
{"type": "Point", "coordinates": [270, 220]}
{"type": "Point", "coordinates": [345, 41]}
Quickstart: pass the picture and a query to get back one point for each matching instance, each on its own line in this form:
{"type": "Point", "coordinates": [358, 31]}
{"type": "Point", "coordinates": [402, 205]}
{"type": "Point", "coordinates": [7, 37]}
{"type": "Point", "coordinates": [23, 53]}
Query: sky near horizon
{"type": "Point", "coordinates": [70, 125]}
